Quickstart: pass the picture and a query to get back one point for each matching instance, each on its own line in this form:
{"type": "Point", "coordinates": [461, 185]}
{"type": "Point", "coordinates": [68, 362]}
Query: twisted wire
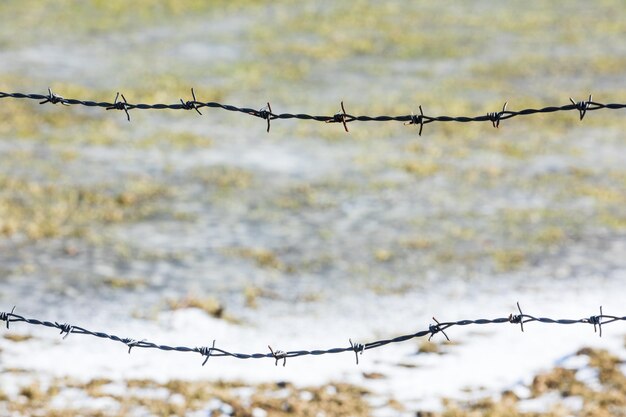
{"type": "Point", "coordinates": [277, 355]}
{"type": "Point", "coordinates": [266, 113]}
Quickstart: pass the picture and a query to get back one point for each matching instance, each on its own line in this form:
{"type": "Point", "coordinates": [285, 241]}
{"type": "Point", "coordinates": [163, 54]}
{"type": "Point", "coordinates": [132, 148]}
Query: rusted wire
{"type": "Point", "coordinates": [495, 118]}
{"type": "Point", "coordinates": [357, 348]}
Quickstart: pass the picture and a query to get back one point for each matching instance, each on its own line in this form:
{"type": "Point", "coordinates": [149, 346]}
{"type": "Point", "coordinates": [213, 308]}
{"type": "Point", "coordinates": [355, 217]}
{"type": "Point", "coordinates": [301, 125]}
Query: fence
{"type": "Point", "coordinates": [266, 113]}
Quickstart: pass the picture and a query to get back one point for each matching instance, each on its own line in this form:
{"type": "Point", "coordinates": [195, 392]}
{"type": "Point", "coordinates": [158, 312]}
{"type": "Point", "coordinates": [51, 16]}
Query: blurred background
{"type": "Point", "coordinates": [186, 228]}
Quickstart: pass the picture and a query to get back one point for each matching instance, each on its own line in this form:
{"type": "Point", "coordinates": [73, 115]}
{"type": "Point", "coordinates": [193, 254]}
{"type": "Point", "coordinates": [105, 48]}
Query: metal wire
{"type": "Point", "coordinates": [341, 117]}
{"type": "Point", "coordinates": [357, 348]}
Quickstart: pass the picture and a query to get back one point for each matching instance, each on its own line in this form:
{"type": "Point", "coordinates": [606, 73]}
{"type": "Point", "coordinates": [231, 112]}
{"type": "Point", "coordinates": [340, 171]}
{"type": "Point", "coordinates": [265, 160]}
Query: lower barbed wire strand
{"type": "Point", "coordinates": [440, 327]}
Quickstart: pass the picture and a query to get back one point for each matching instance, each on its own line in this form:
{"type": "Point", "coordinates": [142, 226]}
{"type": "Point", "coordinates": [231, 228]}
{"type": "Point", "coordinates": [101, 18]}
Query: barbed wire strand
{"type": "Point", "coordinates": [277, 355]}
{"type": "Point", "coordinates": [266, 113]}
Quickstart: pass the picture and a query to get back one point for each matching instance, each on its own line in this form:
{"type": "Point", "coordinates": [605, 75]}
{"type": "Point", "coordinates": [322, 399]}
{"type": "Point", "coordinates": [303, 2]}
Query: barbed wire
{"type": "Point", "coordinates": [342, 117]}
{"type": "Point", "coordinates": [357, 348]}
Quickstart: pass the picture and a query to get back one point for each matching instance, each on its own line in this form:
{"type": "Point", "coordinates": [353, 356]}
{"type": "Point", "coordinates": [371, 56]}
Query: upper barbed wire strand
{"type": "Point", "coordinates": [344, 118]}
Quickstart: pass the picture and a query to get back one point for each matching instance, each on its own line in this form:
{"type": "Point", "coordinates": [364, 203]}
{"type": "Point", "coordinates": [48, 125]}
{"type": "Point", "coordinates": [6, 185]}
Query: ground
{"type": "Point", "coordinates": [178, 226]}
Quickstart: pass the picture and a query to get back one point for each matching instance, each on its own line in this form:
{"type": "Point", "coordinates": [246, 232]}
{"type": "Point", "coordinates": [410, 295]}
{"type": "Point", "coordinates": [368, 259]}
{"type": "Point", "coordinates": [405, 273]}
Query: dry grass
{"type": "Point", "coordinates": [183, 397]}
{"type": "Point", "coordinates": [17, 337]}
{"type": "Point", "coordinates": [334, 399]}
{"type": "Point", "coordinates": [44, 209]}
{"type": "Point", "coordinates": [210, 305]}
{"type": "Point", "coordinates": [608, 401]}
{"type": "Point", "coordinates": [262, 257]}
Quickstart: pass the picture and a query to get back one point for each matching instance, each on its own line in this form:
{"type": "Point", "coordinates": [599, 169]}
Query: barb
{"type": "Point", "coordinates": [266, 113]}
{"type": "Point", "coordinates": [131, 343]}
{"type": "Point", "coordinates": [341, 118]}
{"type": "Point", "coordinates": [596, 321]}
{"type": "Point", "coordinates": [436, 328]}
{"type": "Point", "coordinates": [120, 105]}
{"type": "Point", "coordinates": [190, 105]}
{"type": "Point", "coordinates": [55, 98]}
{"type": "Point", "coordinates": [7, 316]}
{"type": "Point", "coordinates": [417, 120]}
{"type": "Point", "coordinates": [582, 107]}
{"type": "Point", "coordinates": [517, 319]}
{"type": "Point", "coordinates": [497, 116]}
{"type": "Point", "coordinates": [357, 348]}
{"type": "Point", "coordinates": [206, 351]}
{"type": "Point", "coordinates": [65, 328]}
{"type": "Point", "coordinates": [279, 354]}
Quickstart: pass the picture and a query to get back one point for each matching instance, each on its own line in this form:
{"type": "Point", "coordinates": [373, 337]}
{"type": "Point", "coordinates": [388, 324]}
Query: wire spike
{"type": "Point", "coordinates": [417, 120]}
{"type": "Point", "coordinates": [131, 343]}
{"type": "Point", "coordinates": [189, 105]}
{"type": "Point", "coordinates": [581, 106]}
{"type": "Point", "coordinates": [597, 322]}
{"type": "Point", "coordinates": [513, 318]}
{"type": "Point", "coordinates": [358, 348]}
{"type": "Point", "coordinates": [278, 354]}
{"type": "Point", "coordinates": [65, 328]}
{"type": "Point", "coordinates": [53, 98]}
{"type": "Point", "coordinates": [120, 105]}
{"type": "Point", "coordinates": [4, 316]}
{"type": "Point", "coordinates": [340, 118]}
{"type": "Point", "coordinates": [204, 351]}
{"type": "Point", "coordinates": [436, 328]}
{"type": "Point", "coordinates": [495, 117]}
